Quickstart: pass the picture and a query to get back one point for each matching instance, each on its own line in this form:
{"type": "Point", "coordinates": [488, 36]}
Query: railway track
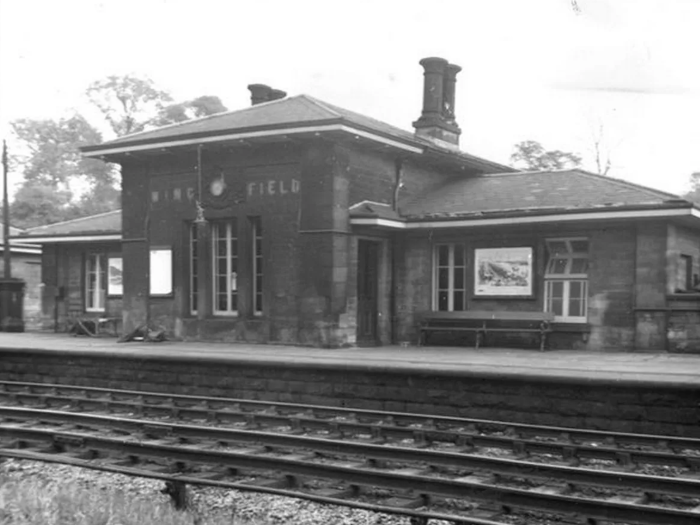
{"type": "Point", "coordinates": [463, 470]}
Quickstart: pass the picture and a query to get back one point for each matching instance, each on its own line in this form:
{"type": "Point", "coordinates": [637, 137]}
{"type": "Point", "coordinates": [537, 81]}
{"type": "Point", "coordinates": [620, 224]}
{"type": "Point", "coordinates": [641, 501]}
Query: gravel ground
{"type": "Point", "coordinates": [210, 505]}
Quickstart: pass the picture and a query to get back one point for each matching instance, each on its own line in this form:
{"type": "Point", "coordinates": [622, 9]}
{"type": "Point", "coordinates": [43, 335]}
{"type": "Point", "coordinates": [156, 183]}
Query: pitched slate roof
{"type": "Point", "coordinates": [102, 223]}
{"type": "Point", "coordinates": [301, 111]}
{"type": "Point", "coordinates": [533, 192]}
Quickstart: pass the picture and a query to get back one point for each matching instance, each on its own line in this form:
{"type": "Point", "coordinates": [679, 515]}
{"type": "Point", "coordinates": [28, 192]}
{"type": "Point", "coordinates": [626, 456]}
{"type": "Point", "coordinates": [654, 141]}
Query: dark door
{"type": "Point", "coordinates": [367, 285]}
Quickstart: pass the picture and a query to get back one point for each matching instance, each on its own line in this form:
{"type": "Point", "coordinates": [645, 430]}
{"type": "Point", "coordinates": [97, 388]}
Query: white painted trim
{"type": "Point", "coordinates": [252, 134]}
{"type": "Point", "coordinates": [14, 249]}
{"type": "Point", "coordinates": [361, 203]}
{"type": "Point", "coordinates": [387, 223]}
{"type": "Point", "coordinates": [74, 238]}
{"type": "Point", "coordinates": [383, 140]}
{"type": "Point", "coordinates": [506, 221]}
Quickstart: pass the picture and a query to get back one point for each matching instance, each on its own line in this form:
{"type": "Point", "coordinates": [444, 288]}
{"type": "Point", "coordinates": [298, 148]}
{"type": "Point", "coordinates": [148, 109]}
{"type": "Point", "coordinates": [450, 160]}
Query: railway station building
{"type": "Point", "coordinates": [299, 222]}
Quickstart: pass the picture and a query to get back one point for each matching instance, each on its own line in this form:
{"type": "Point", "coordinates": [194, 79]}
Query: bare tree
{"type": "Point", "coordinates": [601, 150]}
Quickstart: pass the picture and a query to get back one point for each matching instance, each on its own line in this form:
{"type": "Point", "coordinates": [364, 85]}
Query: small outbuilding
{"type": "Point", "coordinates": [80, 269]}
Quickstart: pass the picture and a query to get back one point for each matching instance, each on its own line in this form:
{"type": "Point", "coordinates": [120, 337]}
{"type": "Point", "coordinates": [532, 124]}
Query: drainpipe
{"type": "Point", "coordinates": [398, 167]}
{"type": "Point", "coordinates": [57, 292]}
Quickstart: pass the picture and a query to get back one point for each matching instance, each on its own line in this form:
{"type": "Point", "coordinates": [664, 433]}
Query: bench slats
{"type": "Point", "coordinates": [483, 322]}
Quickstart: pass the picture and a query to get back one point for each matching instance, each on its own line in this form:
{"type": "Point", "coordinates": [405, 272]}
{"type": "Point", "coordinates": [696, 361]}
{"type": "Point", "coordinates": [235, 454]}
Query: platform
{"type": "Point", "coordinates": [652, 369]}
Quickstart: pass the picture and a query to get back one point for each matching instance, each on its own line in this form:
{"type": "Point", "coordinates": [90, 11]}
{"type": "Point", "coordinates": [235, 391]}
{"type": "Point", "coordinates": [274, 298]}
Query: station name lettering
{"type": "Point", "coordinates": [272, 187]}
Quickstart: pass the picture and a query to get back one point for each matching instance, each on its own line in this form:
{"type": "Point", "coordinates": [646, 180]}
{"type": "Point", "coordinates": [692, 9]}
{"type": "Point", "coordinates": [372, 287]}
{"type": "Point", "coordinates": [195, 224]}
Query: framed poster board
{"type": "Point", "coordinates": [503, 272]}
{"type": "Point", "coordinates": [114, 276]}
{"type": "Point", "coordinates": [161, 271]}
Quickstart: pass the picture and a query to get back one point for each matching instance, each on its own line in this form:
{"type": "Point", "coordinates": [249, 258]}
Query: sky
{"type": "Point", "coordinates": [561, 72]}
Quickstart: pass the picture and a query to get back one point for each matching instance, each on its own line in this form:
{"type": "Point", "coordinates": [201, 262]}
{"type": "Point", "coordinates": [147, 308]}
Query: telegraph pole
{"type": "Point", "coordinates": [5, 214]}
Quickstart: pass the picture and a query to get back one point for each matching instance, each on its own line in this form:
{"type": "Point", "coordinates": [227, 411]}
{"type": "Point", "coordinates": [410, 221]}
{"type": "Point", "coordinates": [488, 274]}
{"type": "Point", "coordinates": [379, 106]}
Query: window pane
{"type": "Point", "coordinates": [577, 300]}
{"type": "Point", "coordinates": [458, 301]}
{"type": "Point", "coordinates": [459, 255]}
{"type": "Point", "coordinates": [555, 297]}
{"type": "Point", "coordinates": [459, 278]}
{"type": "Point", "coordinates": [443, 255]}
{"type": "Point", "coordinates": [579, 246]}
{"type": "Point", "coordinates": [579, 265]}
{"type": "Point", "coordinates": [557, 247]}
{"type": "Point", "coordinates": [443, 278]}
{"type": "Point", "coordinates": [443, 301]}
{"type": "Point", "coordinates": [557, 266]}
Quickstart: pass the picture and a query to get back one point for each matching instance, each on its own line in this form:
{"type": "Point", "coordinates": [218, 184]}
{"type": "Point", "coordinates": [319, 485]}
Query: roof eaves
{"type": "Point", "coordinates": [544, 211]}
{"type": "Point", "coordinates": [71, 221]}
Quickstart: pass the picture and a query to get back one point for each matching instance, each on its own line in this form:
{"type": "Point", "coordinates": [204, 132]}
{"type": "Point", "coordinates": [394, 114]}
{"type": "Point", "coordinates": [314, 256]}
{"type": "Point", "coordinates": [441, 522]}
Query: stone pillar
{"type": "Point", "coordinates": [324, 236]}
{"type": "Point", "coordinates": [650, 288]}
{"type": "Point", "coordinates": [204, 297]}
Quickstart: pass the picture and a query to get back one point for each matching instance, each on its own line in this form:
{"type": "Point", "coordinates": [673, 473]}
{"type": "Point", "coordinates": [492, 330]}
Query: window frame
{"type": "Point", "coordinates": [451, 266]}
{"type": "Point", "coordinates": [684, 273]}
{"type": "Point", "coordinates": [99, 295]}
{"type": "Point", "coordinates": [257, 265]}
{"type": "Point", "coordinates": [193, 254]}
{"type": "Point", "coordinates": [567, 278]}
{"type": "Point", "coordinates": [231, 239]}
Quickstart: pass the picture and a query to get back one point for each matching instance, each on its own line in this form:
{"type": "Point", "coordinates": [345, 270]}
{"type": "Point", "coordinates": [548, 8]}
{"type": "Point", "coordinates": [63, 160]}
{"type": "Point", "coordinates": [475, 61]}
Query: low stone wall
{"type": "Point", "coordinates": [642, 408]}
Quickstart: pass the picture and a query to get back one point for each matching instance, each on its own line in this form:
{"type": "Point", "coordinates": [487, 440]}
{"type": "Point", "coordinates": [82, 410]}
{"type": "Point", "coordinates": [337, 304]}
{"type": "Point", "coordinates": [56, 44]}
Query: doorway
{"type": "Point", "coordinates": [367, 291]}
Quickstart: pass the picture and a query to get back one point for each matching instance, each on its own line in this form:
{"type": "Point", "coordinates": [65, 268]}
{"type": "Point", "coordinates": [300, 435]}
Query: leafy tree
{"type": "Point", "coordinates": [198, 107]}
{"type": "Point", "coordinates": [59, 183]}
{"type": "Point", "coordinates": [38, 204]}
{"type": "Point", "coordinates": [128, 103]}
{"type": "Point", "coordinates": [51, 151]}
{"type": "Point", "coordinates": [531, 155]}
{"type": "Point", "coordinates": [53, 169]}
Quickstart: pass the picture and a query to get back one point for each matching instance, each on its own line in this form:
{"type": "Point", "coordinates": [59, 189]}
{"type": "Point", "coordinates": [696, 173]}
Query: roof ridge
{"type": "Point", "coordinates": [321, 104]}
{"type": "Point", "coordinates": [73, 220]}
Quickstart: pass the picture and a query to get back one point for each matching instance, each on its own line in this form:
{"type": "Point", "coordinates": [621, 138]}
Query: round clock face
{"type": "Point", "coordinates": [217, 187]}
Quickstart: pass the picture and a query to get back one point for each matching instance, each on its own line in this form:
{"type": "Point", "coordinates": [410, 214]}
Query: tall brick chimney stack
{"type": "Point", "coordinates": [437, 121]}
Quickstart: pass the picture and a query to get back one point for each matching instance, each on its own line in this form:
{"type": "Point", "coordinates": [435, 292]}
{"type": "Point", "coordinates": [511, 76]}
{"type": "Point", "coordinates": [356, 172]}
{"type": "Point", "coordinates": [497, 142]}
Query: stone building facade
{"type": "Point", "coordinates": [296, 221]}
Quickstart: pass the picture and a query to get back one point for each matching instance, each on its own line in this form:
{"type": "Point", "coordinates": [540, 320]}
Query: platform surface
{"type": "Point", "coordinates": [659, 369]}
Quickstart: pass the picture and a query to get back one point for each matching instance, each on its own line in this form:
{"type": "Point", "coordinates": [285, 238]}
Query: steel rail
{"type": "Point", "coordinates": [302, 417]}
{"type": "Point", "coordinates": [438, 458]}
{"type": "Point", "coordinates": [470, 426]}
{"type": "Point", "coordinates": [347, 499]}
{"type": "Point", "coordinates": [437, 486]}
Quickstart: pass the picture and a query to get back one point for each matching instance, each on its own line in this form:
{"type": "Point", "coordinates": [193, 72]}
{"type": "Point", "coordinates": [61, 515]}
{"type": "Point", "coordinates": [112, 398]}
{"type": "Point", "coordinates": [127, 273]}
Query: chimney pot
{"type": "Point", "coordinates": [437, 121]}
{"type": "Point", "coordinates": [259, 93]}
{"type": "Point", "coordinates": [276, 94]}
{"type": "Point", "coordinates": [449, 91]}
{"type": "Point", "coordinates": [434, 73]}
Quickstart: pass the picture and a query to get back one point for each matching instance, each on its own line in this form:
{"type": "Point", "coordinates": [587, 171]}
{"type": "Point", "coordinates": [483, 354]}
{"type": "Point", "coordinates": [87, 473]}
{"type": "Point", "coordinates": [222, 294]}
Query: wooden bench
{"type": "Point", "coordinates": [484, 322]}
{"type": "Point", "coordinates": [94, 326]}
